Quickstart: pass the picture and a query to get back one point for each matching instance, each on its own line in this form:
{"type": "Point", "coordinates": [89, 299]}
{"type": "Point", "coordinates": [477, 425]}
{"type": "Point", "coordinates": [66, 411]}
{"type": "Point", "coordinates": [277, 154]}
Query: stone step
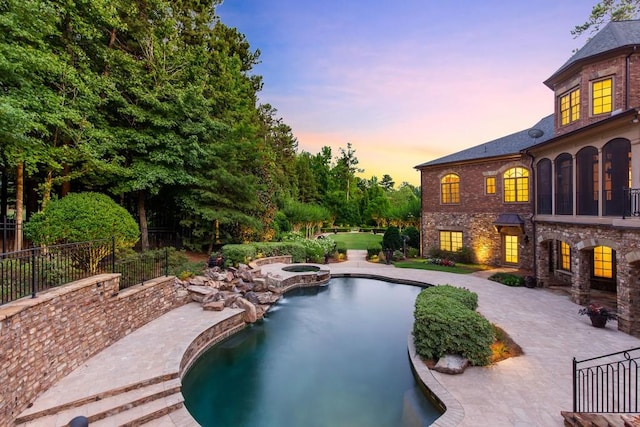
{"type": "Point", "coordinates": [178, 418]}
{"type": "Point", "coordinates": [108, 404]}
{"type": "Point", "coordinates": [141, 414]}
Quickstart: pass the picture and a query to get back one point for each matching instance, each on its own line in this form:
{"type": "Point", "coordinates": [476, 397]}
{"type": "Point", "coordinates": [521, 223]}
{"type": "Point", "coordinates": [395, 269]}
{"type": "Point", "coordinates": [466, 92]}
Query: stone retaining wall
{"type": "Point", "coordinates": [45, 338]}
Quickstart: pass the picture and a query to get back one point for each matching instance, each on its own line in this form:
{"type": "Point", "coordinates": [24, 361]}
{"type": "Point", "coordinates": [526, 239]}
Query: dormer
{"type": "Point", "coordinates": [600, 80]}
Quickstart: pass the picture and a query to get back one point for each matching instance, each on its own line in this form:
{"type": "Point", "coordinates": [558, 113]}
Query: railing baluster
{"type": "Point", "coordinates": [607, 387]}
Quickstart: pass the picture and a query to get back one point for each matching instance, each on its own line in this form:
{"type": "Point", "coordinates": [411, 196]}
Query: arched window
{"type": "Point", "coordinates": [564, 184]}
{"type": "Point", "coordinates": [587, 181]}
{"type": "Point", "coordinates": [616, 175]}
{"type": "Point", "coordinates": [516, 185]}
{"type": "Point", "coordinates": [544, 187]}
{"type": "Point", "coordinates": [450, 188]}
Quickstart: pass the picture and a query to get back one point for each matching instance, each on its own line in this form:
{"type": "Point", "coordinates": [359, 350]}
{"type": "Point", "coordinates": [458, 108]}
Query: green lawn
{"type": "Point", "coordinates": [421, 264]}
{"type": "Point", "coordinates": [357, 240]}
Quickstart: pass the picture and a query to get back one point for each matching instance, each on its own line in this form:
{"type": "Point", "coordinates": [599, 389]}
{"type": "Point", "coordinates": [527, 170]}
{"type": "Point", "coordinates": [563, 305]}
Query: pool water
{"type": "Point", "coordinates": [328, 356]}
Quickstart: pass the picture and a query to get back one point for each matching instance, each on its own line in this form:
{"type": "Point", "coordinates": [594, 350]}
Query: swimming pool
{"type": "Point", "coordinates": [325, 356]}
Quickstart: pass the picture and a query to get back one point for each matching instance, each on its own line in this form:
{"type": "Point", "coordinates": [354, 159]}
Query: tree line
{"type": "Point", "coordinates": [154, 103]}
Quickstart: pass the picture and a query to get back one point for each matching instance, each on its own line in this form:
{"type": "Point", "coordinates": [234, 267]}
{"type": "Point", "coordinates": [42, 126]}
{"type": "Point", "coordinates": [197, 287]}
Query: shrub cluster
{"type": "Point", "coordinates": [294, 244]}
{"type": "Point", "coordinates": [441, 261]}
{"type": "Point", "coordinates": [445, 321]}
{"type": "Point", "coordinates": [373, 250]}
{"type": "Point", "coordinates": [463, 255]}
{"type": "Point", "coordinates": [507, 279]}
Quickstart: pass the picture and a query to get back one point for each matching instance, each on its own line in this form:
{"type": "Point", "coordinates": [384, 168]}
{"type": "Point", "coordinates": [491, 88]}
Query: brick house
{"type": "Point", "coordinates": [562, 198]}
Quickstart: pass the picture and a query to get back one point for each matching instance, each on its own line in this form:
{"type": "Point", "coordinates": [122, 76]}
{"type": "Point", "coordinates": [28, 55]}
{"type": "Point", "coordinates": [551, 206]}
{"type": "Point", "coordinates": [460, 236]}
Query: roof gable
{"type": "Point", "coordinates": [510, 144]}
{"type": "Point", "coordinates": [615, 35]}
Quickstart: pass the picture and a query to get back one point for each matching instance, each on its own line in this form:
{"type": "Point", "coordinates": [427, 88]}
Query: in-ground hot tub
{"type": "Point", "coordinates": [301, 268]}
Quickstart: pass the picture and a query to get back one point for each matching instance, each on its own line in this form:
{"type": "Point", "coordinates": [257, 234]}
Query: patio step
{"type": "Point", "coordinates": [131, 405]}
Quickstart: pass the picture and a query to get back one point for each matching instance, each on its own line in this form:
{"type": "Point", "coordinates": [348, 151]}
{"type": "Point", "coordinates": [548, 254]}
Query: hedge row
{"type": "Point", "coordinates": [445, 322]}
{"type": "Point", "coordinates": [244, 253]}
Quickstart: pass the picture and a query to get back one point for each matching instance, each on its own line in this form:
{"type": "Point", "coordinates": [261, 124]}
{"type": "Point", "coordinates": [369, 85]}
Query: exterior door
{"type": "Point", "coordinates": [510, 249]}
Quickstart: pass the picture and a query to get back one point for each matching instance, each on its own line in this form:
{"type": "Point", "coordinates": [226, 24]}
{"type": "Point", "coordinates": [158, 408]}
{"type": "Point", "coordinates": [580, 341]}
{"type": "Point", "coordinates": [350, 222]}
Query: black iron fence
{"type": "Point", "coordinates": [7, 233]}
{"type": "Point", "coordinates": [607, 384]}
{"type": "Point", "coordinates": [30, 271]}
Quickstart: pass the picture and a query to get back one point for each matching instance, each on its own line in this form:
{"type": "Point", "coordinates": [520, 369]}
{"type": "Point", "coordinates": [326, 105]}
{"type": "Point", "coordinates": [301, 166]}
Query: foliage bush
{"type": "Point", "coordinates": [239, 253]}
{"type": "Point", "coordinates": [392, 239]}
{"type": "Point", "coordinates": [341, 248]}
{"type": "Point", "coordinates": [82, 217]}
{"type": "Point", "coordinates": [373, 250]}
{"type": "Point", "coordinates": [463, 255]}
{"type": "Point", "coordinates": [507, 279]}
{"type": "Point", "coordinates": [413, 252]}
{"type": "Point", "coordinates": [414, 236]}
{"type": "Point", "coordinates": [444, 324]}
{"type": "Point", "coordinates": [465, 296]}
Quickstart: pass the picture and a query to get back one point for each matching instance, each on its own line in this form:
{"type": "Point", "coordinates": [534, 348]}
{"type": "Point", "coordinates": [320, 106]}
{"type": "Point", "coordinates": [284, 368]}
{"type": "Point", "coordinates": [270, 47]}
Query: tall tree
{"type": "Point", "coordinates": [346, 167]}
{"type": "Point", "coordinates": [606, 11]}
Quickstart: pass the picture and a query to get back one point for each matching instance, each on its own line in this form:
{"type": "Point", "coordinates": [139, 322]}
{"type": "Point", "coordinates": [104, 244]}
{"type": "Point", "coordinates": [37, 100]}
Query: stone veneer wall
{"type": "Point", "coordinates": [44, 339]}
{"type": "Point", "coordinates": [478, 233]}
{"type": "Point", "coordinates": [583, 238]}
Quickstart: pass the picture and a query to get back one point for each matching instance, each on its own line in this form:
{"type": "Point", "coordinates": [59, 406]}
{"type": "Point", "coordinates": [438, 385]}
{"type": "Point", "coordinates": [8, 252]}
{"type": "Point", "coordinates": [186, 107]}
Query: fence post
{"type": "Point", "coordinates": [4, 234]}
{"type": "Point", "coordinates": [575, 389]}
{"type": "Point", "coordinates": [113, 254]}
{"type": "Point", "coordinates": [33, 272]}
{"type": "Point", "coordinates": [166, 261]}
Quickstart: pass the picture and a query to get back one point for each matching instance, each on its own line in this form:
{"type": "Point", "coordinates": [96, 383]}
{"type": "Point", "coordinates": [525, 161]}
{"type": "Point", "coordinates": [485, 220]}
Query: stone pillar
{"type": "Point", "coordinates": [542, 264]}
{"type": "Point", "coordinates": [628, 276]}
{"type": "Point", "coordinates": [581, 286]}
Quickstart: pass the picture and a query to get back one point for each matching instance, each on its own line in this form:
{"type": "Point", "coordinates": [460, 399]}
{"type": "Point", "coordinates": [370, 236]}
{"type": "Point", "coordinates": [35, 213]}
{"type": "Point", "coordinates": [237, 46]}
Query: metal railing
{"type": "Point", "coordinates": [30, 271]}
{"type": "Point", "coordinates": [632, 196]}
{"type": "Point", "coordinates": [607, 384]}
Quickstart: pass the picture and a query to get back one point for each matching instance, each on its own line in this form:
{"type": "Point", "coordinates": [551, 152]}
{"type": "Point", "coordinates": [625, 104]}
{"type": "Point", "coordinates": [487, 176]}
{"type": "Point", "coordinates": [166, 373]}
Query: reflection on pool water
{"type": "Point", "coordinates": [327, 356]}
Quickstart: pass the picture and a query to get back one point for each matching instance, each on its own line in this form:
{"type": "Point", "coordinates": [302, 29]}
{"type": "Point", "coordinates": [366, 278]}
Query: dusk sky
{"type": "Point", "coordinates": [409, 81]}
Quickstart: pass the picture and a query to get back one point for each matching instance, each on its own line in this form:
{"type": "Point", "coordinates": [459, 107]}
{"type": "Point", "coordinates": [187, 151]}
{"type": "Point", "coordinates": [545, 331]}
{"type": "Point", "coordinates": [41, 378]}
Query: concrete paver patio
{"type": "Point", "coordinates": [529, 390]}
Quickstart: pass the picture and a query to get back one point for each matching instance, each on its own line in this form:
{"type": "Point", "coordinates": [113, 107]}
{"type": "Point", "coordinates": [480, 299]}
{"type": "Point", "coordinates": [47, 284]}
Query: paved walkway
{"type": "Point", "coordinates": [529, 390]}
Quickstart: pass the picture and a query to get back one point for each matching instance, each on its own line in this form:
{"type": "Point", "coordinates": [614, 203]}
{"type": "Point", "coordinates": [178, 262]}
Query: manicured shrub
{"type": "Point", "coordinates": [464, 255]}
{"type": "Point", "coordinates": [81, 217]}
{"type": "Point", "coordinates": [465, 296]}
{"type": "Point", "coordinates": [507, 279]}
{"type": "Point", "coordinates": [373, 250]}
{"type": "Point", "coordinates": [341, 247]}
{"type": "Point", "coordinates": [239, 253]}
{"type": "Point", "coordinates": [392, 239]}
{"type": "Point", "coordinates": [444, 324]}
{"type": "Point", "coordinates": [414, 236]}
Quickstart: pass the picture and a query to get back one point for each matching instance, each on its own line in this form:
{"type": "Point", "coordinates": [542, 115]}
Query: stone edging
{"type": "Point", "coordinates": [453, 410]}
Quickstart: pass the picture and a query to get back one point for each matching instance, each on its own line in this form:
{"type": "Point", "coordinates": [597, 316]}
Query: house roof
{"type": "Point", "coordinates": [510, 144]}
{"type": "Point", "coordinates": [615, 35]}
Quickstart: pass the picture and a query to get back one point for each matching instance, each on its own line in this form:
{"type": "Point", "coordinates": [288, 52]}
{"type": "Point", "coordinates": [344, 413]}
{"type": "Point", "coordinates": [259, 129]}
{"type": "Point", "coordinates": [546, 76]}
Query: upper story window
{"type": "Point", "coordinates": [516, 185]}
{"type": "Point", "coordinates": [450, 188]}
{"type": "Point", "coordinates": [570, 107]}
{"type": "Point", "coordinates": [601, 96]}
{"type": "Point", "coordinates": [490, 185]}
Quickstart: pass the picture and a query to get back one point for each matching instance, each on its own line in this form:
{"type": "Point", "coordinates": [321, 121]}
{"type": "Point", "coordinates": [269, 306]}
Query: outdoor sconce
{"type": "Point", "coordinates": [526, 238]}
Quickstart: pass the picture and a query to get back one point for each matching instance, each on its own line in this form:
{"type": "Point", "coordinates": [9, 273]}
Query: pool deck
{"type": "Point", "coordinates": [529, 390]}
